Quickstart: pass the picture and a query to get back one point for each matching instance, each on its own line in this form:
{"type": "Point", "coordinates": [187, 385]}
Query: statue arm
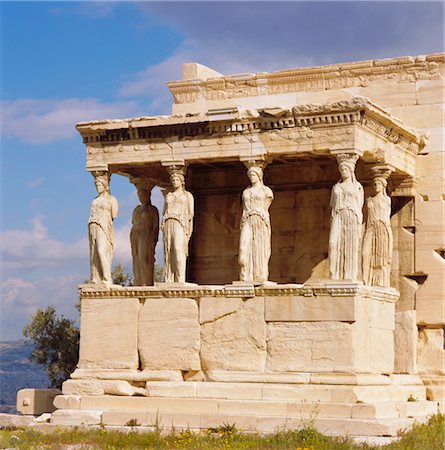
{"type": "Point", "coordinates": [269, 195]}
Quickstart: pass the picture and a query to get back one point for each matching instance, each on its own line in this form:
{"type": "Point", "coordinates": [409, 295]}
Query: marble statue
{"type": "Point", "coordinates": [377, 241]}
{"type": "Point", "coordinates": [347, 199]}
{"type": "Point", "coordinates": [143, 237]}
{"type": "Point", "coordinates": [255, 246]}
{"type": "Point", "coordinates": [177, 227]}
{"type": "Point", "coordinates": [103, 211]}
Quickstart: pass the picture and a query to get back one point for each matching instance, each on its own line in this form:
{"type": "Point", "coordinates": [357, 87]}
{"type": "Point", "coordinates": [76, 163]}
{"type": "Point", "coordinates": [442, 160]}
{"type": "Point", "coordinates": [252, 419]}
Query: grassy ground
{"type": "Point", "coordinates": [430, 436]}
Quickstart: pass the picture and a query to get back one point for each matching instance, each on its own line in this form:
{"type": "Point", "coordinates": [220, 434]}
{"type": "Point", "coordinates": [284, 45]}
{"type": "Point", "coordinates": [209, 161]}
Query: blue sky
{"type": "Point", "coordinates": [65, 62]}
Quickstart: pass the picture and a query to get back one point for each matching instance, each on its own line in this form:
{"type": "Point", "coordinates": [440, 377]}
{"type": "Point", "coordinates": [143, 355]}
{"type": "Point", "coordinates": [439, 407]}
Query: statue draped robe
{"type": "Point", "coordinates": [255, 246]}
{"type": "Point", "coordinates": [143, 238]}
{"type": "Point", "coordinates": [377, 242]}
{"type": "Point", "coordinates": [346, 230]}
{"type": "Point", "coordinates": [177, 226]}
{"type": "Point", "coordinates": [101, 237]}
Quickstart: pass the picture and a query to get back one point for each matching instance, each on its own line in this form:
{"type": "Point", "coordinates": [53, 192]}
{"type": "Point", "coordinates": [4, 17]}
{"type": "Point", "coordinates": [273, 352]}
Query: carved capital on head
{"type": "Point", "coordinates": [142, 183]}
{"type": "Point", "coordinates": [102, 176]}
{"type": "Point", "coordinates": [176, 166]}
{"type": "Point", "coordinates": [381, 171]}
{"type": "Point", "coordinates": [347, 158]}
{"type": "Point", "coordinates": [255, 161]}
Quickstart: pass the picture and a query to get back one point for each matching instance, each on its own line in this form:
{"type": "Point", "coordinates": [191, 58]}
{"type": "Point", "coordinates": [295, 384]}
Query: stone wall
{"type": "Point", "coordinates": [289, 328]}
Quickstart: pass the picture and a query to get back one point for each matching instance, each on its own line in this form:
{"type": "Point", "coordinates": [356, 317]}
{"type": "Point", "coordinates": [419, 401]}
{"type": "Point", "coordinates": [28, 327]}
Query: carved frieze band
{"type": "Point", "coordinates": [388, 295]}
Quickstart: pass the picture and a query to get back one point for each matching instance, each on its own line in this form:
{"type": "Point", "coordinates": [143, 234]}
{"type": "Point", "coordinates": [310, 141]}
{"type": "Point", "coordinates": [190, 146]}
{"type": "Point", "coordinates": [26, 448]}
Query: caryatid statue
{"type": "Point", "coordinates": [378, 240]}
{"type": "Point", "coordinates": [103, 211]}
{"type": "Point", "coordinates": [177, 227]}
{"type": "Point", "coordinates": [255, 238]}
{"type": "Point", "coordinates": [144, 236]}
{"type": "Point", "coordinates": [347, 199]}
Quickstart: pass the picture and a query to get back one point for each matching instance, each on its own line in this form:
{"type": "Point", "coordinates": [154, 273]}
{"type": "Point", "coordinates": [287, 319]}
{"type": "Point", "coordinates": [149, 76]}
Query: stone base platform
{"type": "Point", "coordinates": [263, 358]}
{"type": "Point", "coordinates": [359, 408]}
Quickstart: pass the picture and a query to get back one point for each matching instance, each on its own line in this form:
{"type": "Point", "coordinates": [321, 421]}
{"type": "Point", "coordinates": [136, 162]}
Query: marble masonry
{"type": "Point", "coordinates": [304, 243]}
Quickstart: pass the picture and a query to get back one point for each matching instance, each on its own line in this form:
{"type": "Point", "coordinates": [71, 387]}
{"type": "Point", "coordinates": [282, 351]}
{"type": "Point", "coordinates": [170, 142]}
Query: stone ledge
{"type": "Point", "coordinates": [197, 391]}
{"type": "Point", "coordinates": [329, 288]}
{"type": "Point", "coordinates": [14, 420]}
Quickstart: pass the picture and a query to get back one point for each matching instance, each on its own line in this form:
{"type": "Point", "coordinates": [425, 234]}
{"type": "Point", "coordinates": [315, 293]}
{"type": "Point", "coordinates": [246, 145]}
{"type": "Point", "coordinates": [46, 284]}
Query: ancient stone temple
{"type": "Point", "coordinates": [304, 245]}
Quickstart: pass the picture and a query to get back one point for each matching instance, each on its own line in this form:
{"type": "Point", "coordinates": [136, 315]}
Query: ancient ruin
{"type": "Point", "coordinates": [310, 285]}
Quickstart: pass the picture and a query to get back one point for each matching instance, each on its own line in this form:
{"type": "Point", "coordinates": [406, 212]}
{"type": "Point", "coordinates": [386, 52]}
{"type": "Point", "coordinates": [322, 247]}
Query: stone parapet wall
{"type": "Point", "coordinates": [337, 327]}
{"type": "Point", "coordinates": [367, 78]}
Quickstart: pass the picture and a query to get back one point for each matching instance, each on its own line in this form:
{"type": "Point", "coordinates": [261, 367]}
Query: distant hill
{"type": "Point", "coordinates": [17, 372]}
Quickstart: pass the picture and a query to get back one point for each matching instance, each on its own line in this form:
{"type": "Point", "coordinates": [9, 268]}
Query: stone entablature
{"type": "Point", "coordinates": [336, 76]}
{"type": "Point", "coordinates": [355, 125]}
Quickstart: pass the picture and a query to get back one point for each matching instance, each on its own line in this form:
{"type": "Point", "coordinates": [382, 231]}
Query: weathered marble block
{"type": "Point", "coordinates": [405, 342]}
{"type": "Point", "coordinates": [310, 346]}
{"type": "Point", "coordinates": [431, 352]}
{"type": "Point", "coordinates": [108, 333]}
{"type": "Point", "coordinates": [298, 309]}
{"type": "Point", "coordinates": [168, 332]}
{"type": "Point", "coordinates": [328, 333]}
{"type": "Point", "coordinates": [233, 333]}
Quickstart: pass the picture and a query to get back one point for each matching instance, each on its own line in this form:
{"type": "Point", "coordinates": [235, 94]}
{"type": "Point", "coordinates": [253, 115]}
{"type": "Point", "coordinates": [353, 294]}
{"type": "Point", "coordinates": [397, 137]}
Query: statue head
{"type": "Point", "coordinates": [380, 184]}
{"type": "Point", "coordinates": [177, 179]}
{"type": "Point", "coordinates": [143, 195]}
{"type": "Point", "coordinates": [346, 165]}
{"type": "Point", "coordinates": [255, 171]}
{"type": "Point", "coordinates": [102, 182]}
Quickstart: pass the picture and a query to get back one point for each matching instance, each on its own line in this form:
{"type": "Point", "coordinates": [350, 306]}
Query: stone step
{"type": "Point", "coordinates": [292, 409]}
{"type": "Point", "coordinates": [255, 391]}
{"type": "Point", "coordinates": [269, 391]}
{"type": "Point", "coordinates": [261, 423]}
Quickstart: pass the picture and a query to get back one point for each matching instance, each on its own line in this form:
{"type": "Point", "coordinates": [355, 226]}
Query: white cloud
{"type": "Point", "coordinates": [37, 121]}
{"type": "Point", "coordinates": [20, 299]}
{"type": "Point", "coordinates": [35, 183]}
{"type": "Point", "coordinates": [25, 250]}
{"type": "Point", "coordinates": [12, 288]}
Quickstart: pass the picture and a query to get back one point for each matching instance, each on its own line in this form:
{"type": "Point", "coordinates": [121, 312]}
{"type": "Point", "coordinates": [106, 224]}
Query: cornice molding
{"type": "Point", "coordinates": [307, 118]}
{"type": "Point", "coordinates": [337, 76]}
{"type": "Point", "coordinates": [240, 291]}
